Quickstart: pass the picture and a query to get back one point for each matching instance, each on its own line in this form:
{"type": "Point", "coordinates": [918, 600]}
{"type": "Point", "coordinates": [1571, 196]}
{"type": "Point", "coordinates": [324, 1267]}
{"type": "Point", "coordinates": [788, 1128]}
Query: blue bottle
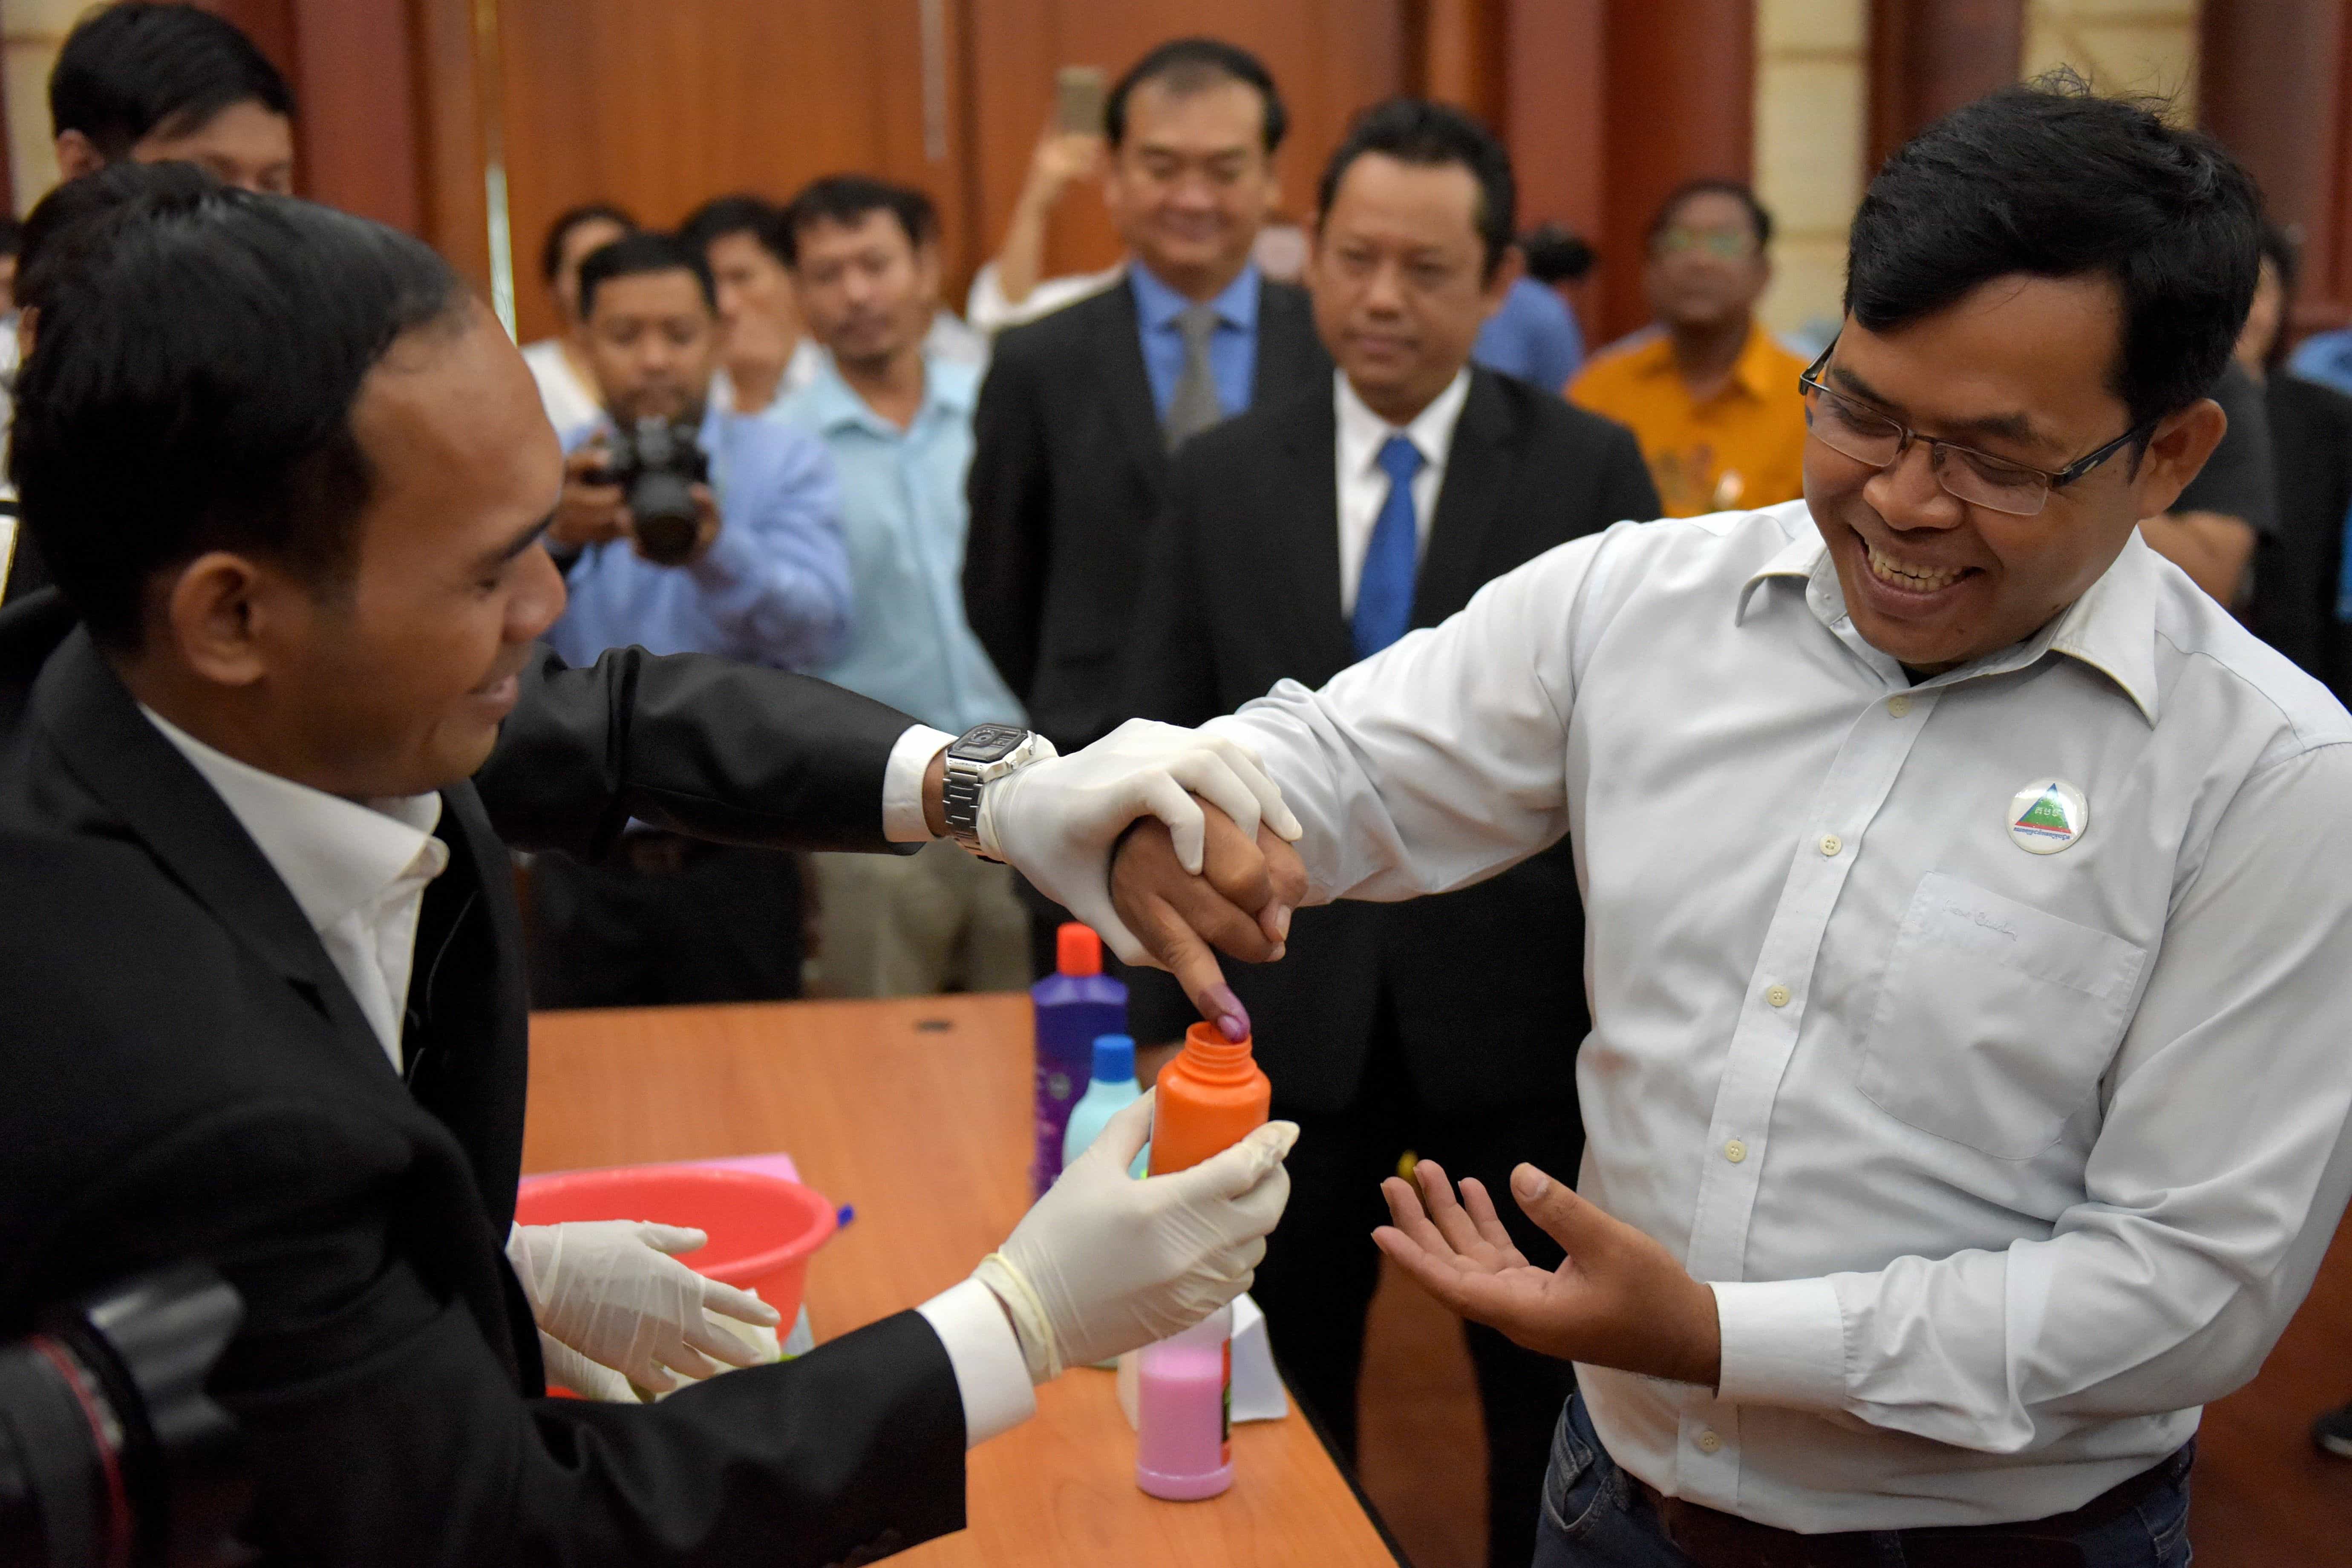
{"type": "Point", "coordinates": [1075, 1006]}
{"type": "Point", "coordinates": [1112, 1090]}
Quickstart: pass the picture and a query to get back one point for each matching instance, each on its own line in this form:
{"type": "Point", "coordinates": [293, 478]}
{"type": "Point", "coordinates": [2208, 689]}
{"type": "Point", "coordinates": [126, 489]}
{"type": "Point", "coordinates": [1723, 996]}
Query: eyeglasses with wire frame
{"type": "Point", "coordinates": [1853, 431]}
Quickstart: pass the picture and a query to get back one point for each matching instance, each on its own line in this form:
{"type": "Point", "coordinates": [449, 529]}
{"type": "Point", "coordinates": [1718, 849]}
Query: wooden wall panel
{"type": "Point", "coordinates": [354, 91]}
{"type": "Point", "coordinates": [1554, 109]}
{"type": "Point", "coordinates": [1605, 103]}
{"type": "Point", "coordinates": [1681, 104]}
{"type": "Point", "coordinates": [1929, 56]}
{"type": "Point", "coordinates": [453, 212]}
{"type": "Point", "coordinates": [2275, 83]}
{"type": "Point", "coordinates": [1330, 59]}
{"type": "Point", "coordinates": [658, 106]}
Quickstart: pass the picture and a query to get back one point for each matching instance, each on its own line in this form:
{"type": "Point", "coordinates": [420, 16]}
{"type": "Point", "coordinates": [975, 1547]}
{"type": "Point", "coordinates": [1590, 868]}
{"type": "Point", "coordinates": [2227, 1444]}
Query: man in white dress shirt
{"type": "Point", "coordinates": [1969, 906]}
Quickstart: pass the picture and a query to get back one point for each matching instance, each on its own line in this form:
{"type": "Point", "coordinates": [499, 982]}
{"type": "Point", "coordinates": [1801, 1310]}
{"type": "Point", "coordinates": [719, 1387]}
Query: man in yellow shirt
{"type": "Point", "coordinates": [1712, 397]}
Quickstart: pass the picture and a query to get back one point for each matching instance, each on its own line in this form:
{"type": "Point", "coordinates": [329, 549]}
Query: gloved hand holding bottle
{"type": "Point", "coordinates": [1105, 1264]}
{"type": "Point", "coordinates": [611, 1292]}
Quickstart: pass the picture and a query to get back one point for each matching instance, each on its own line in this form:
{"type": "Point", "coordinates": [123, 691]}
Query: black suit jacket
{"type": "Point", "coordinates": [2299, 567]}
{"type": "Point", "coordinates": [1244, 590]}
{"type": "Point", "coordinates": [182, 1073]}
{"type": "Point", "coordinates": [1069, 470]}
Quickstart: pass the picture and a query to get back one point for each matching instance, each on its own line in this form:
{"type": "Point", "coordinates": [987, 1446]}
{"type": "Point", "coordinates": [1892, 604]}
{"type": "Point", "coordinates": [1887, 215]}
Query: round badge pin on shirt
{"type": "Point", "coordinates": [2048, 815]}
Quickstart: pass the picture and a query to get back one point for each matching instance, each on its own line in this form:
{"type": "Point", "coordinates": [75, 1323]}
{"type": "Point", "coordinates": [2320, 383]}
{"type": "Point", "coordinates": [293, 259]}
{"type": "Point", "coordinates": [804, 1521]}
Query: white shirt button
{"type": "Point", "coordinates": [1777, 995]}
{"type": "Point", "coordinates": [1832, 844]}
{"type": "Point", "coordinates": [1735, 1150]}
{"type": "Point", "coordinates": [1898, 706]}
{"type": "Point", "coordinates": [1708, 1443]}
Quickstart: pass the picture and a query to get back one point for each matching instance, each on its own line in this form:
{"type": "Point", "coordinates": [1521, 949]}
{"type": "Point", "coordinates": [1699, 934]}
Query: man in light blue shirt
{"type": "Point", "coordinates": [898, 419]}
{"type": "Point", "coordinates": [1533, 337]}
{"type": "Point", "coordinates": [2325, 358]}
{"type": "Point", "coordinates": [759, 575]}
{"type": "Point", "coordinates": [1536, 336]}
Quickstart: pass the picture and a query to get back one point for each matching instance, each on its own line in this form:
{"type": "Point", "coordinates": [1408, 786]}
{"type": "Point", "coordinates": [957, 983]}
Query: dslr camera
{"type": "Point", "coordinates": [111, 1456]}
{"type": "Point", "coordinates": [655, 463]}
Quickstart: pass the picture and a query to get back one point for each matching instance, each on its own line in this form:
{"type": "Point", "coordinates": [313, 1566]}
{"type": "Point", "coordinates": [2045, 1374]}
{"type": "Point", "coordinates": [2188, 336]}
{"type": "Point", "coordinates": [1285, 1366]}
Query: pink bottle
{"type": "Point", "coordinates": [1184, 1412]}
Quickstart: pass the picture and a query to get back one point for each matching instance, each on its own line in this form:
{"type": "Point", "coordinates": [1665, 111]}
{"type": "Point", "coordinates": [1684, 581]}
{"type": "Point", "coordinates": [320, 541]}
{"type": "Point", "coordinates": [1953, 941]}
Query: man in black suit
{"type": "Point", "coordinates": [1081, 409]}
{"type": "Point", "coordinates": [1445, 1026]}
{"type": "Point", "coordinates": [279, 1025]}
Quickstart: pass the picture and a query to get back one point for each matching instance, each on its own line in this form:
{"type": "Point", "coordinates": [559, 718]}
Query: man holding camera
{"type": "Point", "coordinates": [683, 528]}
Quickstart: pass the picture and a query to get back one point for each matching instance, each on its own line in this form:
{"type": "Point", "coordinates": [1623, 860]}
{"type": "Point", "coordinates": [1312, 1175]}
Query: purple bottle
{"type": "Point", "coordinates": [1074, 1004]}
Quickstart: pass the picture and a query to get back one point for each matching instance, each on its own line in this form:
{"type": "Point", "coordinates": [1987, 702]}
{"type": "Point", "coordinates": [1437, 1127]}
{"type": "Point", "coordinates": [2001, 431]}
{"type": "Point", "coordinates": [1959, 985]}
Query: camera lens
{"type": "Point", "coordinates": [662, 508]}
{"type": "Point", "coordinates": [111, 1454]}
{"type": "Point", "coordinates": [62, 1497]}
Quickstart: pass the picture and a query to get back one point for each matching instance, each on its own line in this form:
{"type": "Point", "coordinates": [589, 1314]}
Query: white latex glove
{"type": "Point", "coordinates": [1056, 821]}
{"type": "Point", "coordinates": [1105, 1264]}
{"type": "Point", "coordinates": [610, 1290]}
{"type": "Point", "coordinates": [567, 1368]}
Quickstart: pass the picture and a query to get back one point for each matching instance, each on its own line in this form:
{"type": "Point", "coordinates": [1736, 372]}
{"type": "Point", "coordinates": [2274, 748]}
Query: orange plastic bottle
{"type": "Point", "coordinates": [1210, 1098]}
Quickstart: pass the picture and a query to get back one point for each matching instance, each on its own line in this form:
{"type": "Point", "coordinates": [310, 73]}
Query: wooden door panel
{"type": "Point", "coordinates": [658, 106]}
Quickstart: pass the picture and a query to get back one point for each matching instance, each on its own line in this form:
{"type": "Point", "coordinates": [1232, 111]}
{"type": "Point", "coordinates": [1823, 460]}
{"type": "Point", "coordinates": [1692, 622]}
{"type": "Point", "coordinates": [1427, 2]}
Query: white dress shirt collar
{"type": "Point", "coordinates": [1362, 433]}
{"type": "Point", "coordinates": [2107, 628]}
{"type": "Point", "coordinates": [358, 871]}
{"type": "Point", "coordinates": [1363, 486]}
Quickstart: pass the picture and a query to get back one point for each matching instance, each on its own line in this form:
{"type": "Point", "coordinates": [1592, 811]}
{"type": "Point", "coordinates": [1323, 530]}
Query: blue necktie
{"type": "Point", "coordinates": [1384, 591]}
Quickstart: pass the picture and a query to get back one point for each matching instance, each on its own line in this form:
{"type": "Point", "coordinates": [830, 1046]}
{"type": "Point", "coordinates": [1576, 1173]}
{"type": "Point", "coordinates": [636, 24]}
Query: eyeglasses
{"type": "Point", "coordinates": [1979, 479]}
{"type": "Point", "coordinates": [1718, 243]}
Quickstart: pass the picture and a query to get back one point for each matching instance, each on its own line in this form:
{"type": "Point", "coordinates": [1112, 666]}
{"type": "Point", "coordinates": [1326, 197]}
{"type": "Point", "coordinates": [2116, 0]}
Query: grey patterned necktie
{"type": "Point", "coordinates": [1196, 405]}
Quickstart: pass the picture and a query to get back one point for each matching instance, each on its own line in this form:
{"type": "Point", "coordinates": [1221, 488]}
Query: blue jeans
{"type": "Point", "coordinates": [1595, 1517]}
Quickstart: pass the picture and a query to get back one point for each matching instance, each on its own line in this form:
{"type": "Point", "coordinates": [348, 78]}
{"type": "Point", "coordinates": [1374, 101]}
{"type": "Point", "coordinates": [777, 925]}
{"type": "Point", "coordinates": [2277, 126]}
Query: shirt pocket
{"type": "Point", "coordinates": [1995, 1019]}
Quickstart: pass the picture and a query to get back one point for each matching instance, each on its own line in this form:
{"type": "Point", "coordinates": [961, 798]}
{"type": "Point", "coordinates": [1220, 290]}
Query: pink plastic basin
{"type": "Point", "coordinates": [761, 1229]}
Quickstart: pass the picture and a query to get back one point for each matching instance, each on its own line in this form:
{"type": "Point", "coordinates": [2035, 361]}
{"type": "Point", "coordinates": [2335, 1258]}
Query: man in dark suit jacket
{"type": "Point", "coordinates": [1444, 1026]}
{"type": "Point", "coordinates": [305, 580]}
{"type": "Point", "coordinates": [1079, 410]}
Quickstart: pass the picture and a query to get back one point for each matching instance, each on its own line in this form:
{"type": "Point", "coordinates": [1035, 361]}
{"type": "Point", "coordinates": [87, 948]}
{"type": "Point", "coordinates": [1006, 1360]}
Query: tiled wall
{"type": "Point", "coordinates": [1812, 87]}
{"type": "Point", "coordinates": [33, 29]}
{"type": "Point", "coordinates": [1812, 111]}
{"type": "Point", "coordinates": [2122, 46]}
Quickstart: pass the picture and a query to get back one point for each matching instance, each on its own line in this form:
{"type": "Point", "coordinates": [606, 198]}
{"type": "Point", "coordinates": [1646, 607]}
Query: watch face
{"type": "Point", "coordinates": [989, 744]}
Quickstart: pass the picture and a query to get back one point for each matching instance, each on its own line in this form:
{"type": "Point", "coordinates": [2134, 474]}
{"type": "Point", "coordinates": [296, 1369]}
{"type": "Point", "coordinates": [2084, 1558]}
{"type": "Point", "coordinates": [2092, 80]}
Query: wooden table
{"type": "Point", "coordinates": [916, 1113]}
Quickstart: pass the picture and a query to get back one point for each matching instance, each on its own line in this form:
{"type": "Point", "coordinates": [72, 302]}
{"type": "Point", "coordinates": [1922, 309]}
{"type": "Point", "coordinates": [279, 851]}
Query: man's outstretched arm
{"type": "Point", "coordinates": [1436, 762]}
{"type": "Point", "coordinates": [744, 755]}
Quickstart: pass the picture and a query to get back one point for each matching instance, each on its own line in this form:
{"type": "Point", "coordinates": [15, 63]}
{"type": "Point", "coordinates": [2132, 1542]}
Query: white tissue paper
{"type": "Point", "coordinates": [800, 1341]}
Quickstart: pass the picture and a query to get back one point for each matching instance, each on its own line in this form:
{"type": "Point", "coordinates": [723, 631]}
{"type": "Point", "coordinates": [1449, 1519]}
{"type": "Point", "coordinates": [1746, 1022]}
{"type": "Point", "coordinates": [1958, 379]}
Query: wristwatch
{"type": "Point", "coordinates": [982, 753]}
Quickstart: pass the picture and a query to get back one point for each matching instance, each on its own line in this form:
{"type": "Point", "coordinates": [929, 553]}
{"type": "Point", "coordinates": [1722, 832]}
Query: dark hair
{"type": "Point", "coordinates": [51, 247]}
{"type": "Point", "coordinates": [130, 69]}
{"type": "Point", "coordinates": [1431, 135]}
{"type": "Point", "coordinates": [846, 199]}
{"type": "Point", "coordinates": [1758, 216]}
{"type": "Point", "coordinates": [192, 383]}
{"type": "Point", "coordinates": [12, 236]}
{"type": "Point", "coordinates": [634, 253]}
{"type": "Point", "coordinates": [1556, 254]}
{"type": "Point", "coordinates": [558, 233]}
{"type": "Point", "coordinates": [714, 220]}
{"type": "Point", "coordinates": [2048, 180]}
{"type": "Point", "coordinates": [1188, 65]}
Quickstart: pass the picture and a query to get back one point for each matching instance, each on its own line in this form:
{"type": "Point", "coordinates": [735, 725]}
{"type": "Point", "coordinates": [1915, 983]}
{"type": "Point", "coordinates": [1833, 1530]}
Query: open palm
{"type": "Point", "coordinates": [1617, 1298]}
